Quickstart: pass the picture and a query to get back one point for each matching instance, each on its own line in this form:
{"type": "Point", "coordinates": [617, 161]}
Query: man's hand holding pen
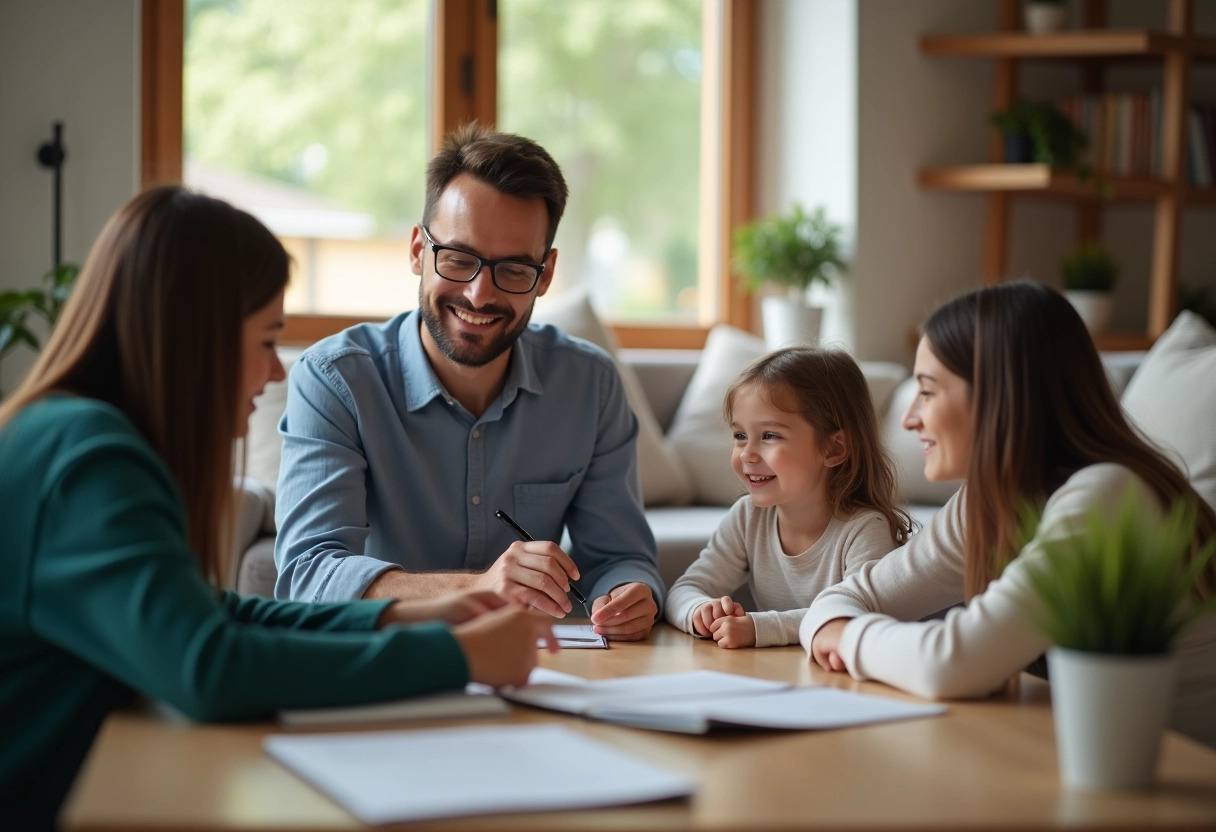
{"type": "Point", "coordinates": [536, 573]}
{"type": "Point", "coordinates": [627, 613]}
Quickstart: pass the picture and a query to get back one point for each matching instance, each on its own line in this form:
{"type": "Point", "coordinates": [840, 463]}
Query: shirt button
{"type": "Point", "coordinates": [476, 501]}
{"type": "Point", "coordinates": [476, 434]}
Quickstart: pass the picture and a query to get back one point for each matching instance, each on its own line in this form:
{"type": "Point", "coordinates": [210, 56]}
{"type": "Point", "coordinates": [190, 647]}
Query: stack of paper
{"type": "Point", "coordinates": [474, 700]}
{"type": "Point", "coordinates": [700, 700]}
{"type": "Point", "coordinates": [400, 776]}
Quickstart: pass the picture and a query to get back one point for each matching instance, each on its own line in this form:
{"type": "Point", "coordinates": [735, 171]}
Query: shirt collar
{"type": "Point", "coordinates": [422, 385]}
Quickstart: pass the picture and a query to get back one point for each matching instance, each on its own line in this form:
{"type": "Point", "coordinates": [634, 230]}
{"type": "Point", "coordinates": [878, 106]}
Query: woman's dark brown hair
{"type": "Point", "coordinates": [1043, 410]}
{"type": "Point", "coordinates": [154, 327]}
{"type": "Point", "coordinates": [828, 390]}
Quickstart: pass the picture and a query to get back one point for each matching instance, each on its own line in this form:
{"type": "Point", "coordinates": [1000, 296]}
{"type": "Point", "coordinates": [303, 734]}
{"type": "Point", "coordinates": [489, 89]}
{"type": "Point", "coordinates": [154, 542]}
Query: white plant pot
{"type": "Point", "coordinates": [1041, 18]}
{"type": "Point", "coordinates": [1095, 309]}
{"type": "Point", "coordinates": [1110, 713]}
{"type": "Point", "coordinates": [788, 322]}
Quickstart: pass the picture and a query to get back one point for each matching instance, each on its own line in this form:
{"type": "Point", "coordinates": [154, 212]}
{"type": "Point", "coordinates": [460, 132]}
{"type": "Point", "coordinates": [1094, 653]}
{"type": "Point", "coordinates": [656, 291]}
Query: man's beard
{"type": "Point", "coordinates": [463, 347]}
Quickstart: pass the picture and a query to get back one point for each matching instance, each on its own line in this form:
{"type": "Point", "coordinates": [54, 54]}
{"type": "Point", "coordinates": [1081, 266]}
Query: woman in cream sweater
{"type": "Point", "coordinates": [1014, 401]}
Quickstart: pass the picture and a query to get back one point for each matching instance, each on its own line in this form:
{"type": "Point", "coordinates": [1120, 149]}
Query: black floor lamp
{"type": "Point", "coordinates": [51, 155]}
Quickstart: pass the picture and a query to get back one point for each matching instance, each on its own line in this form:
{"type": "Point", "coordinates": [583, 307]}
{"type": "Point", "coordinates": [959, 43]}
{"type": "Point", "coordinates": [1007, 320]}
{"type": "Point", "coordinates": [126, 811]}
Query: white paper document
{"type": "Point", "coordinates": [796, 709]}
{"type": "Point", "coordinates": [475, 700]}
{"type": "Point", "coordinates": [402, 776]}
{"type": "Point", "coordinates": [701, 700]}
{"type": "Point", "coordinates": [578, 636]}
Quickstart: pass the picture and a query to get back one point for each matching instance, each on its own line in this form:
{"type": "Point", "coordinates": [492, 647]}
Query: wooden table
{"type": "Point", "coordinates": [989, 764]}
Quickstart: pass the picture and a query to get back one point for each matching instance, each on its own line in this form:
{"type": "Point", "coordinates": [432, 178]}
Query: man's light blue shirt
{"type": "Point", "coordinates": [382, 467]}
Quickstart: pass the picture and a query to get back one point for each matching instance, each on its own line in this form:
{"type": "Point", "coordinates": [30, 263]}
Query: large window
{"type": "Point", "coordinates": [613, 90]}
{"type": "Point", "coordinates": [319, 117]}
{"type": "Point", "coordinates": [313, 115]}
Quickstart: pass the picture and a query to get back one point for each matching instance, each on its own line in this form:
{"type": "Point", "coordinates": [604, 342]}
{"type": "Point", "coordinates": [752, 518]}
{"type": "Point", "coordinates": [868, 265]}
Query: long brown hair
{"type": "Point", "coordinates": [154, 327]}
{"type": "Point", "coordinates": [1043, 410]}
{"type": "Point", "coordinates": [827, 389]}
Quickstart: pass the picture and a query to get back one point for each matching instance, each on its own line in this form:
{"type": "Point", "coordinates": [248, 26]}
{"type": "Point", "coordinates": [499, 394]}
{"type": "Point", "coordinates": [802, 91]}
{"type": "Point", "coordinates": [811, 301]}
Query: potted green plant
{"type": "Point", "coordinates": [19, 308]}
{"type": "Point", "coordinates": [1088, 275]}
{"type": "Point", "coordinates": [1043, 16]}
{"type": "Point", "coordinates": [1036, 131]}
{"type": "Point", "coordinates": [1113, 598]}
{"type": "Point", "coordinates": [791, 251]}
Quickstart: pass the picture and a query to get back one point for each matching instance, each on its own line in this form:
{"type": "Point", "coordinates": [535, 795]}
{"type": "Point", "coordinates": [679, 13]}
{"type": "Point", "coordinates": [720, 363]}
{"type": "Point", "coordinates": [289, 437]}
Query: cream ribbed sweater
{"type": "Point", "coordinates": [977, 647]}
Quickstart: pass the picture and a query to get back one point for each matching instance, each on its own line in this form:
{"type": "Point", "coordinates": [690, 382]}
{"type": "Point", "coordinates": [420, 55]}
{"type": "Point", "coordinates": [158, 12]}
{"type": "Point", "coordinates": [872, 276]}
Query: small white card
{"type": "Point", "coordinates": [576, 636]}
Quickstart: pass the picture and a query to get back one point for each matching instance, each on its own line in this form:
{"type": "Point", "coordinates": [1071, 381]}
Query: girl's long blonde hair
{"type": "Point", "coordinates": [827, 389]}
{"type": "Point", "coordinates": [154, 327]}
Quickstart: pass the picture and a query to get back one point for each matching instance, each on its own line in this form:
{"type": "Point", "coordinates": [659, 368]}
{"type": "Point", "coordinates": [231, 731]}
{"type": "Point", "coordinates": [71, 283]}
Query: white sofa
{"type": "Point", "coordinates": [684, 448]}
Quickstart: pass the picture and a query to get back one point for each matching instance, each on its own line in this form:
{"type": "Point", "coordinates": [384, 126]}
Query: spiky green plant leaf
{"type": "Point", "coordinates": [1122, 584]}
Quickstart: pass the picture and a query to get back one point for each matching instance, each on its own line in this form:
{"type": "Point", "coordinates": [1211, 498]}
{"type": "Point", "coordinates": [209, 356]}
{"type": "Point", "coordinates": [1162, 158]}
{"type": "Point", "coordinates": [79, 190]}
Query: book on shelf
{"type": "Point", "coordinates": [1124, 134]}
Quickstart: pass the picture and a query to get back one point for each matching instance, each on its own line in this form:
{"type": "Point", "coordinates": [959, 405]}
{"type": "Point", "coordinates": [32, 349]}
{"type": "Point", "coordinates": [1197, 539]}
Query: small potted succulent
{"type": "Point", "coordinates": [792, 251]}
{"type": "Point", "coordinates": [1088, 275]}
{"type": "Point", "coordinates": [1113, 599]}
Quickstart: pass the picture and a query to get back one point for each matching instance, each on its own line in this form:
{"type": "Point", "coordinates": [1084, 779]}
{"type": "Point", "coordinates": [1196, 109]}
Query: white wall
{"type": "Point", "coordinates": [915, 248]}
{"type": "Point", "coordinates": [807, 78]}
{"type": "Point", "coordinates": [75, 61]}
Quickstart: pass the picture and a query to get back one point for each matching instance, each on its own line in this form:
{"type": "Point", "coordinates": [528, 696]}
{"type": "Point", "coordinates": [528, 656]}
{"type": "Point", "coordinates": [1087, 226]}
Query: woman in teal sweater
{"type": "Point", "coordinates": [116, 472]}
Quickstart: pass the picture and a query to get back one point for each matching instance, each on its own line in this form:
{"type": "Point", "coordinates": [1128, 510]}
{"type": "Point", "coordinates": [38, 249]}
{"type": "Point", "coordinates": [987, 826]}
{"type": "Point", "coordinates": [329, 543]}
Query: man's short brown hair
{"type": "Point", "coordinates": [509, 163]}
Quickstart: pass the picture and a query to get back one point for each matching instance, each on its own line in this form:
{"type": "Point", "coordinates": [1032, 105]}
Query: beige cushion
{"type": "Point", "coordinates": [905, 449]}
{"type": "Point", "coordinates": [664, 481]}
{"type": "Point", "coordinates": [699, 436]}
{"type": "Point", "coordinates": [265, 445]}
{"type": "Point", "coordinates": [1172, 398]}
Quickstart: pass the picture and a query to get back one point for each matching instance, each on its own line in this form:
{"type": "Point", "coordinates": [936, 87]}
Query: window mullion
{"type": "Point", "coordinates": [465, 67]}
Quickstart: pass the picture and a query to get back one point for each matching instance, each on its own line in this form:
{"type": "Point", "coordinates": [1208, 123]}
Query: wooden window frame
{"type": "Point", "coordinates": [465, 87]}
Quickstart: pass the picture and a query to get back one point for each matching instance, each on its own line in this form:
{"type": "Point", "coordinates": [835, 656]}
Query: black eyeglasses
{"type": "Point", "coordinates": [461, 267]}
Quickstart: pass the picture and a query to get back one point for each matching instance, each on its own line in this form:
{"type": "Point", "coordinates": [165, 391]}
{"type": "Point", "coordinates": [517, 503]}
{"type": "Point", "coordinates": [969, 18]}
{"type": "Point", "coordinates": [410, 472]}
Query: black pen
{"type": "Point", "coordinates": [523, 535]}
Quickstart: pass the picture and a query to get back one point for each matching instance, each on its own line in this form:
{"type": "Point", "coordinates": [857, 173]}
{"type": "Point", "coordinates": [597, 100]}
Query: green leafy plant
{"type": "Point", "coordinates": [1088, 268]}
{"type": "Point", "coordinates": [1121, 585]}
{"type": "Point", "coordinates": [1056, 141]}
{"type": "Point", "coordinates": [18, 309]}
{"type": "Point", "coordinates": [794, 250]}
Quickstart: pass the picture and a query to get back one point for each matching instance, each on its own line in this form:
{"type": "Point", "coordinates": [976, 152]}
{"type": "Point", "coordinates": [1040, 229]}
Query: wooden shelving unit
{"type": "Point", "coordinates": [1091, 49]}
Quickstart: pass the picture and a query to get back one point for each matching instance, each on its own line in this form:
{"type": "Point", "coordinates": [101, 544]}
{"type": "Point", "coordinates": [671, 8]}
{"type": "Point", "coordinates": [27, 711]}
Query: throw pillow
{"type": "Point", "coordinates": [698, 434]}
{"type": "Point", "coordinates": [663, 479]}
{"type": "Point", "coordinates": [1172, 399]}
{"type": "Point", "coordinates": [265, 445]}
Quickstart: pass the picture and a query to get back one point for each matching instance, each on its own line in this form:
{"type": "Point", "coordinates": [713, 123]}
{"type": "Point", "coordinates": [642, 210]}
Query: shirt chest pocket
{"type": "Point", "coordinates": [541, 507]}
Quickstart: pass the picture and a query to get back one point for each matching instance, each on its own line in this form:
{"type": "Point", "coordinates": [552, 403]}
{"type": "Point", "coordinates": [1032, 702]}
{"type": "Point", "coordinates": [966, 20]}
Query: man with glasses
{"type": "Point", "coordinates": [402, 440]}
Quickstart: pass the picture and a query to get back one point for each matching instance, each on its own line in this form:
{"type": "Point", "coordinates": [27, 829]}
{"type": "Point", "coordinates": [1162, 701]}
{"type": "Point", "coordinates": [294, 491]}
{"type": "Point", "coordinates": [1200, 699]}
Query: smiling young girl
{"type": "Point", "coordinates": [820, 499]}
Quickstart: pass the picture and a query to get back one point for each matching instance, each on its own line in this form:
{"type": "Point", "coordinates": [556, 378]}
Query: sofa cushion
{"type": "Point", "coordinates": [664, 481]}
{"type": "Point", "coordinates": [264, 444]}
{"type": "Point", "coordinates": [1172, 399]}
{"type": "Point", "coordinates": [698, 434]}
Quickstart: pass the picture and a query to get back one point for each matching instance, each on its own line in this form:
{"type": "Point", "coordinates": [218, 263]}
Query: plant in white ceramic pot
{"type": "Point", "coordinates": [1112, 599]}
{"type": "Point", "coordinates": [792, 251]}
{"type": "Point", "coordinates": [1043, 16]}
{"type": "Point", "coordinates": [1088, 274]}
